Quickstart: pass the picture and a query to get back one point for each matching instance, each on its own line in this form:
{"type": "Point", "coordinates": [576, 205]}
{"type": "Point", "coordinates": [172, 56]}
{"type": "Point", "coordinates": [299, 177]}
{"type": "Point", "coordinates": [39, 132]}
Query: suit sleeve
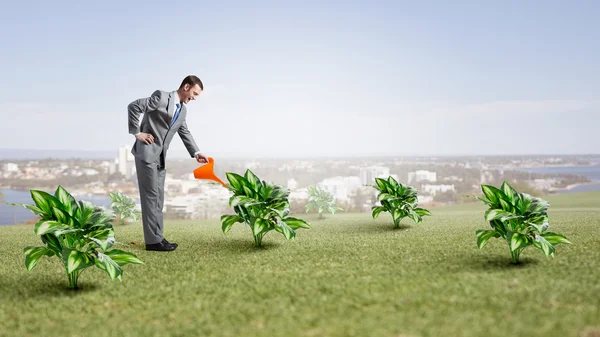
{"type": "Point", "coordinates": [140, 106]}
{"type": "Point", "coordinates": [188, 139]}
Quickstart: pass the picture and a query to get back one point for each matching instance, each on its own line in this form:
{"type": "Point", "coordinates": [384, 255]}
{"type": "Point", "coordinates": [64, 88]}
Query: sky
{"type": "Point", "coordinates": [308, 78]}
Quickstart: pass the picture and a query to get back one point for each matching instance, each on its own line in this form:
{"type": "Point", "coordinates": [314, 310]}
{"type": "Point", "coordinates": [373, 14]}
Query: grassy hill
{"type": "Point", "coordinates": [348, 276]}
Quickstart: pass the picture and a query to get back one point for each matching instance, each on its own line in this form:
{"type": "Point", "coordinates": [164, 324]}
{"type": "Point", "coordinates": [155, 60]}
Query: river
{"type": "Point", "coordinates": [591, 172]}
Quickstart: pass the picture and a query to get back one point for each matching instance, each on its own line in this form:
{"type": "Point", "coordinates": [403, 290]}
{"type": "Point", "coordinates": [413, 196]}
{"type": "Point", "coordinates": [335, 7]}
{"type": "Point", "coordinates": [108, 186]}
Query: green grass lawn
{"type": "Point", "coordinates": [348, 276]}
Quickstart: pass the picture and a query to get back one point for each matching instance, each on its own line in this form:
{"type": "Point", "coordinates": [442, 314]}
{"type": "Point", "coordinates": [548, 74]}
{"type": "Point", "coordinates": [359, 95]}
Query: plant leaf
{"type": "Point", "coordinates": [287, 231]}
{"type": "Point", "coordinates": [112, 268]}
{"type": "Point", "coordinates": [554, 238]}
{"type": "Point", "coordinates": [62, 216]}
{"type": "Point", "coordinates": [296, 223]}
{"type": "Point", "coordinates": [259, 226]}
{"type": "Point", "coordinates": [414, 216]}
{"type": "Point", "coordinates": [422, 211]}
{"type": "Point", "coordinates": [248, 191]}
{"type": "Point", "coordinates": [524, 202]}
{"type": "Point", "coordinates": [66, 199]}
{"type": "Point", "coordinates": [105, 238]}
{"type": "Point", "coordinates": [75, 260]}
{"type": "Point", "coordinates": [497, 214]}
{"type": "Point", "coordinates": [235, 181]}
{"type": "Point", "coordinates": [517, 241]}
{"type": "Point", "coordinates": [229, 220]}
{"type": "Point", "coordinates": [491, 193]}
{"type": "Point", "coordinates": [509, 192]}
{"type": "Point", "coordinates": [44, 227]}
{"type": "Point", "coordinates": [42, 200]}
{"type": "Point", "coordinates": [34, 254]}
{"type": "Point", "coordinates": [507, 206]}
{"type": "Point", "coordinates": [122, 257]}
{"type": "Point", "coordinates": [376, 210]}
{"type": "Point", "coordinates": [483, 235]}
{"type": "Point", "coordinates": [253, 180]}
{"type": "Point", "coordinates": [485, 201]}
{"type": "Point", "coordinates": [53, 243]}
{"type": "Point", "coordinates": [543, 244]}
{"type": "Point", "coordinates": [381, 183]}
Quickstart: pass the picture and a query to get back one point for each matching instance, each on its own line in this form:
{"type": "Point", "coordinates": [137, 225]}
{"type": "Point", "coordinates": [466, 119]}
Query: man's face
{"type": "Point", "coordinates": [190, 93]}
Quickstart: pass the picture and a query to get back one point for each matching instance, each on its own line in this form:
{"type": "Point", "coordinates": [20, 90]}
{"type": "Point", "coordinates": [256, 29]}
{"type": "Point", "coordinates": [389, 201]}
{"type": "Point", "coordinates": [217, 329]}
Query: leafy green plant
{"type": "Point", "coordinates": [262, 206]}
{"type": "Point", "coordinates": [518, 218]}
{"type": "Point", "coordinates": [78, 233]}
{"type": "Point", "coordinates": [399, 200]}
{"type": "Point", "coordinates": [321, 200]}
{"type": "Point", "coordinates": [124, 207]}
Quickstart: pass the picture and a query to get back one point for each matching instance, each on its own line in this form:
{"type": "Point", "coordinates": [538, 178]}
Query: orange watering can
{"type": "Point", "coordinates": [206, 172]}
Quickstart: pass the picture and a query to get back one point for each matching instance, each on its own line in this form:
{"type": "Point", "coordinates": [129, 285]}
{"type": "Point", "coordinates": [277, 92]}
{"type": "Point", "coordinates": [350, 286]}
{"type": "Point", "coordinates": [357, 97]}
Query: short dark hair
{"type": "Point", "coordinates": [192, 80]}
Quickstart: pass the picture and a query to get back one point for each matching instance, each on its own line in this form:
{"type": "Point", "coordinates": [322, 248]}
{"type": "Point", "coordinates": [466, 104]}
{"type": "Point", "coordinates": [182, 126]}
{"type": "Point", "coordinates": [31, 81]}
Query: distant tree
{"type": "Point", "coordinates": [124, 207]}
{"type": "Point", "coordinates": [2, 200]}
{"type": "Point", "coordinates": [321, 200]}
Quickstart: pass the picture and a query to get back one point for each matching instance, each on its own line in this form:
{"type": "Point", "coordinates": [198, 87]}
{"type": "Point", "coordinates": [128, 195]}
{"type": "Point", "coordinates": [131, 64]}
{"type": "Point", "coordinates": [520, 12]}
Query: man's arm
{"type": "Point", "coordinates": [188, 139]}
{"type": "Point", "coordinates": [139, 106]}
{"type": "Point", "coordinates": [190, 144]}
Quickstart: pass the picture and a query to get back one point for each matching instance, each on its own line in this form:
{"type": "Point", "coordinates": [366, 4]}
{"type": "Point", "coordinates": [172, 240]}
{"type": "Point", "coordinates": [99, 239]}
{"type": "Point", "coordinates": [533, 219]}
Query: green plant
{"type": "Point", "coordinates": [262, 206]}
{"type": "Point", "coordinates": [78, 233]}
{"type": "Point", "coordinates": [321, 200]}
{"type": "Point", "coordinates": [124, 207]}
{"type": "Point", "coordinates": [399, 200]}
{"type": "Point", "coordinates": [518, 218]}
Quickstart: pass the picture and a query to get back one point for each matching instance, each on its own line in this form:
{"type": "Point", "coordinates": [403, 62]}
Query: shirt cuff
{"type": "Point", "coordinates": [196, 153]}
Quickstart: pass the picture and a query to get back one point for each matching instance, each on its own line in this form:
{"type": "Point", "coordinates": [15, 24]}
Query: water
{"type": "Point", "coordinates": [10, 215]}
{"type": "Point", "coordinates": [591, 172]}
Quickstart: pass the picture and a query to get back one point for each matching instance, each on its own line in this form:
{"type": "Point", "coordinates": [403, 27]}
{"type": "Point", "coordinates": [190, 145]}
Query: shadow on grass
{"type": "Point", "coordinates": [384, 228]}
{"type": "Point", "coordinates": [21, 289]}
{"type": "Point", "coordinates": [243, 246]}
{"type": "Point", "coordinates": [497, 262]}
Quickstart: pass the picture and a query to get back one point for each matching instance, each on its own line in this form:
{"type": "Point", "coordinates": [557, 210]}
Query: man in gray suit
{"type": "Point", "coordinates": [164, 115]}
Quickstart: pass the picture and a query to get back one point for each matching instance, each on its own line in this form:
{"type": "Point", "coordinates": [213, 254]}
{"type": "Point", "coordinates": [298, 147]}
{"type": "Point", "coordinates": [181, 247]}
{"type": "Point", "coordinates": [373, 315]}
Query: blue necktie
{"type": "Point", "coordinates": [176, 114]}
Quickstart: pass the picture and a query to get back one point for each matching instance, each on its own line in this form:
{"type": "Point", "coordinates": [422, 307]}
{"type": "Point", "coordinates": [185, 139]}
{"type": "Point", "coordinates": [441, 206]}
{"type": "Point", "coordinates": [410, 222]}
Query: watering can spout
{"type": "Point", "coordinates": [206, 172]}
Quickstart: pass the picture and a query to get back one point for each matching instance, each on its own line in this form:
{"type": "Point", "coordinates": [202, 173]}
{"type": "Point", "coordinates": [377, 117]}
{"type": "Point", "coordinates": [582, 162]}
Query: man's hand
{"type": "Point", "coordinates": [145, 137]}
{"type": "Point", "coordinates": [201, 158]}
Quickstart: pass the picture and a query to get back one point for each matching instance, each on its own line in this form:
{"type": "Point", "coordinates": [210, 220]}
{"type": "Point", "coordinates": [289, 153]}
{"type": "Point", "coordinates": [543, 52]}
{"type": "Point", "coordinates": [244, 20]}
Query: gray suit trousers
{"type": "Point", "coordinates": [151, 181]}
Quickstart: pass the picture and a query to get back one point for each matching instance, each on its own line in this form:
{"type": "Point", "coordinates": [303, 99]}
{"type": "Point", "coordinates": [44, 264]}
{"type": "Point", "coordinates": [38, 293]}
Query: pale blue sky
{"type": "Point", "coordinates": [368, 77]}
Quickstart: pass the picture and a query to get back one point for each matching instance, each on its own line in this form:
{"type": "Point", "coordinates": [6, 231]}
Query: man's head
{"type": "Point", "coordinates": [190, 87]}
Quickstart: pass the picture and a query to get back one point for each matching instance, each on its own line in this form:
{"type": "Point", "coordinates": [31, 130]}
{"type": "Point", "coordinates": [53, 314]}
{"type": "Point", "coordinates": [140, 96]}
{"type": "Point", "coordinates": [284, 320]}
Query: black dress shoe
{"type": "Point", "coordinates": [161, 247]}
{"type": "Point", "coordinates": [169, 243]}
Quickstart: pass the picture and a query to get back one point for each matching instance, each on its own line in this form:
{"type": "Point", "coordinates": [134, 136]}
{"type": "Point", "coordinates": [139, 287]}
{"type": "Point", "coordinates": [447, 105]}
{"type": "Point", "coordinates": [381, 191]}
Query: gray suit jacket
{"type": "Point", "coordinates": [158, 111]}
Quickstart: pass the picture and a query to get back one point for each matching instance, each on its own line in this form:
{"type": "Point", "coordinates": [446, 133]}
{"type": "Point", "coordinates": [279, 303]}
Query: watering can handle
{"type": "Point", "coordinates": [206, 172]}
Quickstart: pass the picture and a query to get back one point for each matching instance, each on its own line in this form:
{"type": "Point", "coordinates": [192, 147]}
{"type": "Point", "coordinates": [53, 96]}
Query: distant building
{"type": "Point", "coordinates": [11, 167]}
{"type": "Point", "coordinates": [292, 184]}
{"type": "Point", "coordinates": [300, 194]}
{"type": "Point", "coordinates": [435, 189]}
{"type": "Point", "coordinates": [125, 163]}
{"type": "Point", "coordinates": [423, 199]}
{"type": "Point", "coordinates": [422, 175]}
{"type": "Point", "coordinates": [252, 165]}
{"type": "Point", "coordinates": [341, 187]}
{"type": "Point", "coordinates": [368, 174]}
{"type": "Point", "coordinates": [486, 177]}
{"type": "Point", "coordinates": [453, 178]}
{"type": "Point", "coordinates": [90, 172]}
